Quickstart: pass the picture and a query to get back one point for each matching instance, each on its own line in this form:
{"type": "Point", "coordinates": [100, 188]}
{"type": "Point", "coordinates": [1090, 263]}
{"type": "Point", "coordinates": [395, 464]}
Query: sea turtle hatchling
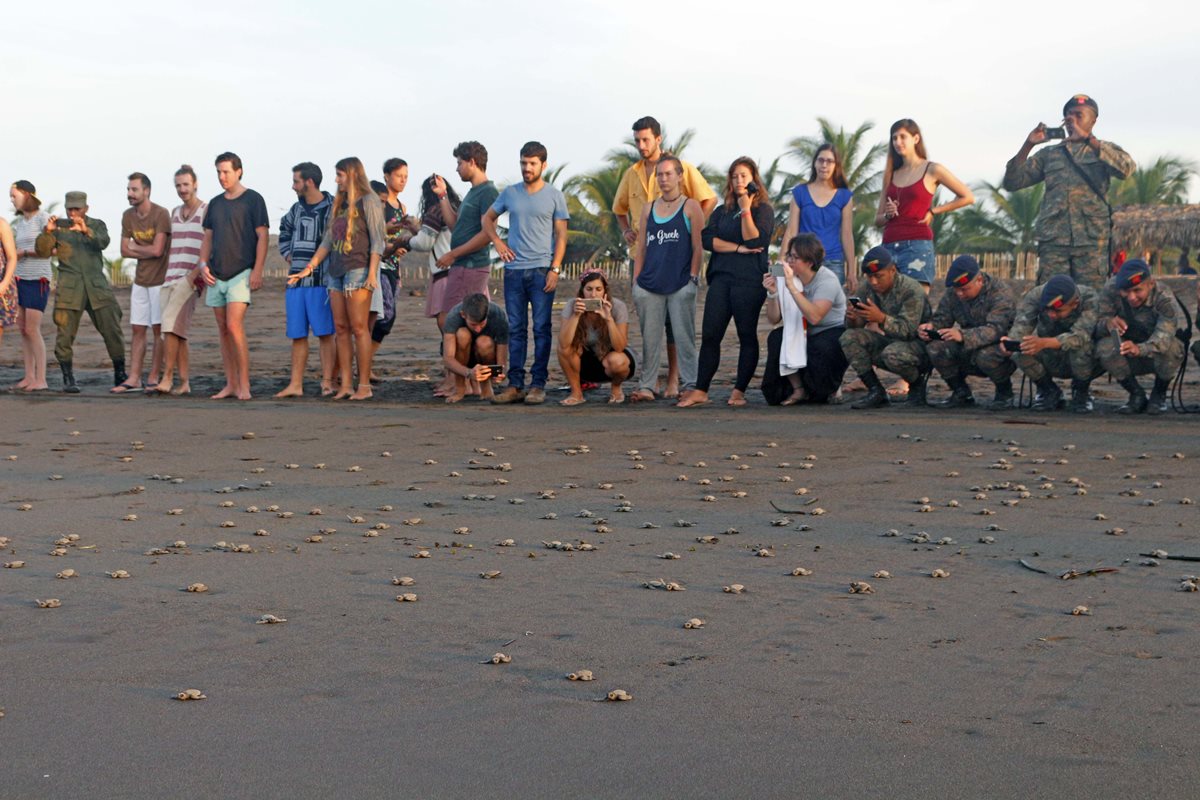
{"type": "Point", "coordinates": [581, 675]}
{"type": "Point", "coordinates": [355, 519]}
{"type": "Point", "coordinates": [403, 581]}
{"type": "Point", "coordinates": [618, 695]}
{"type": "Point", "coordinates": [53, 602]}
{"type": "Point", "coordinates": [191, 694]}
{"type": "Point", "coordinates": [407, 597]}
{"type": "Point", "coordinates": [1081, 611]}
{"type": "Point", "coordinates": [196, 588]}
{"type": "Point", "coordinates": [463, 531]}
{"type": "Point", "coordinates": [66, 573]}
{"type": "Point", "coordinates": [490, 574]}
{"type": "Point", "coordinates": [506, 543]}
{"type": "Point", "coordinates": [174, 512]}
{"type": "Point", "coordinates": [707, 539]}
{"type": "Point", "coordinates": [764, 553]}
{"type": "Point", "coordinates": [801, 572]}
{"type": "Point", "coordinates": [499, 658]}
{"type": "Point", "coordinates": [420, 554]}
{"type": "Point", "coordinates": [882, 574]}
{"type": "Point", "coordinates": [733, 588]}
{"type": "Point", "coordinates": [269, 619]}
{"type": "Point", "coordinates": [669, 555]}
{"type": "Point", "coordinates": [861, 587]}
{"type": "Point", "coordinates": [412, 521]}
{"type": "Point", "coordinates": [59, 551]}
{"type": "Point", "coordinates": [694, 623]}
{"type": "Point", "coordinates": [939, 573]}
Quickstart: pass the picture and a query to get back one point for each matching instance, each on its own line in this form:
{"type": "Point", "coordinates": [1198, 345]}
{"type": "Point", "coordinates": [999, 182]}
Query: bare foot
{"type": "Point", "coordinates": [326, 388]}
{"type": "Point", "coordinates": [291, 391]}
{"type": "Point", "coordinates": [454, 397]}
{"type": "Point", "coordinates": [342, 395]}
{"type": "Point", "coordinates": [21, 384]}
{"type": "Point", "coordinates": [737, 398]}
{"type": "Point", "coordinates": [573, 400]}
{"type": "Point", "coordinates": [642, 396]}
{"type": "Point", "coordinates": [672, 390]}
{"type": "Point", "coordinates": [797, 396]}
{"type": "Point", "coordinates": [226, 392]}
{"type": "Point", "coordinates": [244, 396]}
{"type": "Point", "coordinates": [856, 386]}
{"type": "Point", "coordinates": [35, 387]}
{"type": "Point", "coordinates": [363, 393]}
{"type": "Point", "coordinates": [899, 388]}
{"type": "Point", "coordinates": [617, 396]}
{"type": "Point", "coordinates": [693, 398]}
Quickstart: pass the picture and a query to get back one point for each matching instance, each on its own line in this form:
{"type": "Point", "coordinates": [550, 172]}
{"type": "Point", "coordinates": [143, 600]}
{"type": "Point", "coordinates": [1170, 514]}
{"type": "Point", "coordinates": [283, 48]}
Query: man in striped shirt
{"type": "Point", "coordinates": [182, 285]}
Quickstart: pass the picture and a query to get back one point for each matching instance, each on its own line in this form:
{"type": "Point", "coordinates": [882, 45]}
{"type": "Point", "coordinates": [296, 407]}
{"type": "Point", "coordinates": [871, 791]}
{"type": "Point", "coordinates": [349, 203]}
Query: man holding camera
{"type": "Point", "coordinates": [1052, 338]}
{"type": "Point", "coordinates": [882, 321]}
{"type": "Point", "coordinates": [474, 345]}
{"type": "Point", "coordinates": [1136, 335]}
{"type": "Point", "coordinates": [1074, 225]}
{"type": "Point", "coordinates": [79, 243]}
{"type": "Point", "coordinates": [972, 315]}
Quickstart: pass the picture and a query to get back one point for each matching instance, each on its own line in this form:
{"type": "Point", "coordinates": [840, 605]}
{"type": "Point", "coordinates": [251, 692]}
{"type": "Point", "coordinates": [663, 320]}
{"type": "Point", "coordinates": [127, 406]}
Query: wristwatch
{"type": "Point", "coordinates": [556, 270]}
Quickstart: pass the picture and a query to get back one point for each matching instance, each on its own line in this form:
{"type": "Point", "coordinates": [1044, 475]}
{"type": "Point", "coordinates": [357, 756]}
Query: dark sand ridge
{"type": "Point", "coordinates": [980, 684]}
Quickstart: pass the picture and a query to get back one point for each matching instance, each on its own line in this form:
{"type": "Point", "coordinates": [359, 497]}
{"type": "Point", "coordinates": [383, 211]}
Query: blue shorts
{"type": "Point", "coordinates": [33, 294]}
{"type": "Point", "coordinates": [353, 279]}
{"type": "Point", "coordinates": [234, 290]}
{"type": "Point", "coordinates": [307, 307]}
{"type": "Point", "coordinates": [914, 258]}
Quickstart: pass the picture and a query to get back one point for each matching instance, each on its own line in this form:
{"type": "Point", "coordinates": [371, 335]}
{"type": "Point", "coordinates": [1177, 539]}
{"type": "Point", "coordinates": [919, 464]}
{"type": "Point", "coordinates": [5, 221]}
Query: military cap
{"type": "Point", "coordinates": [1133, 273]}
{"type": "Point", "coordinates": [1058, 291]}
{"type": "Point", "coordinates": [76, 200]}
{"type": "Point", "coordinates": [1081, 100]}
{"type": "Point", "coordinates": [877, 259]}
{"type": "Point", "coordinates": [962, 271]}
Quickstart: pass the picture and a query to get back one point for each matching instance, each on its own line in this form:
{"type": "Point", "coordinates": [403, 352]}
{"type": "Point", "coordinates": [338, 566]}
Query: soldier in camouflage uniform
{"type": "Point", "coordinates": [1073, 225]}
{"type": "Point", "coordinates": [1054, 326]}
{"type": "Point", "coordinates": [882, 330]}
{"type": "Point", "coordinates": [1145, 315]}
{"type": "Point", "coordinates": [79, 241]}
{"type": "Point", "coordinates": [972, 315]}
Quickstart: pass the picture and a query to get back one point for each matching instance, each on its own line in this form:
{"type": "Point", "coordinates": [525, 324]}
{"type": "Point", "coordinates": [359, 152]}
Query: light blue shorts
{"type": "Point", "coordinates": [915, 258]}
{"type": "Point", "coordinates": [234, 290]}
{"type": "Point", "coordinates": [353, 279]}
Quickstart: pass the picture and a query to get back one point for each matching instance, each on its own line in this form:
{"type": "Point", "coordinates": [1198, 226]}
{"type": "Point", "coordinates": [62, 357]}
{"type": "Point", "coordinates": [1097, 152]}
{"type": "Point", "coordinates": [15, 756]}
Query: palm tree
{"type": "Point", "coordinates": [594, 233]}
{"type": "Point", "coordinates": [861, 162]}
{"type": "Point", "coordinates": [1165, 182]}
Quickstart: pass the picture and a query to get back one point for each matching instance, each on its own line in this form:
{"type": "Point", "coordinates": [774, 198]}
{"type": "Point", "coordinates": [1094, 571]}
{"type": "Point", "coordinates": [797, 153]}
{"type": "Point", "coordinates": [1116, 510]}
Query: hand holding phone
{"type": "Point", "coordinates": [593, 304]}
{"type": "Point", "coordinates": [1056, 133]}
{"type": "Point", "coordinates": [1010, 345]}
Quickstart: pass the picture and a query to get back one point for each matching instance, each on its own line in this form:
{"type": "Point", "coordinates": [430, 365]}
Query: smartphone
{"type": "Point", "coordinates": [751, 188]}
{"type": "Point", "coordinates": [777, 271]}
{"type": "Point", "coordinates": [854, 301]}
{"type": "Point", "coordinates": [593, 304]}
{"type": "Point", "coordinates": [1116, 337]}
{"type": "Point", "coordinates": [497, 370]}
{"type": "Point", "coordinates": [934, 334]}
{"type": "Point", "coordinates": [1056, 133]}
{"type": "Point", "coordinates": [1011, 345]}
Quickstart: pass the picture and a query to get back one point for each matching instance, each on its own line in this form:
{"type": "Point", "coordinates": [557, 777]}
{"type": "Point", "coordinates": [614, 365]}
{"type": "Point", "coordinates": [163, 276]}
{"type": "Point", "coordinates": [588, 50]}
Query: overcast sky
{"type": "Point", "coordinates": [97, 90]}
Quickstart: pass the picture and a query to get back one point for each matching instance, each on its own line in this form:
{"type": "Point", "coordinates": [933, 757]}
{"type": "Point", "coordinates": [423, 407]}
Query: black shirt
{"type": "Point", "coordinates": [726, 224]}
{"type": "Point", "coordinates": [234, 238]}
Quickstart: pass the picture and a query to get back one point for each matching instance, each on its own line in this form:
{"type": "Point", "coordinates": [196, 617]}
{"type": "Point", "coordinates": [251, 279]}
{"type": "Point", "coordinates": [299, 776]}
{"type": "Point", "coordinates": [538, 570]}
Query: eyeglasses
{"type": "Point", "coordinates": [825, 161]}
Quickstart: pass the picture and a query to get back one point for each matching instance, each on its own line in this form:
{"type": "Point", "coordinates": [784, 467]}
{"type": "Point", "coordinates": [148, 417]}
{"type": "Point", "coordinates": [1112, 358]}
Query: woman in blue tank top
{"type": "Point", "coordinates": [824, 207]}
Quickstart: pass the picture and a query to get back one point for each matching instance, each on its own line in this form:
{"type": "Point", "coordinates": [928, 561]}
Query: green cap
{"type": "Point", "coordinates": [76, 200]}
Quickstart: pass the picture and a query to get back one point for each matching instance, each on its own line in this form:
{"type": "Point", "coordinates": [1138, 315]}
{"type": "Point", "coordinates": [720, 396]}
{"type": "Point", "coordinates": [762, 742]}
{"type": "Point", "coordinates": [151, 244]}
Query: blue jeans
{"type": "Point", "coordinates": [838, 267]}
{"type": "Point", "coordinates": [527, 287]}
{"type": "Point", "coordinates": [914, 258]}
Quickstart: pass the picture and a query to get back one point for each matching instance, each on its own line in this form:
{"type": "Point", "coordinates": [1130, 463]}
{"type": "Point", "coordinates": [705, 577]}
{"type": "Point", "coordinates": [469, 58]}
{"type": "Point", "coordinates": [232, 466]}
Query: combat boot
{"type": "Point", "coordinates": [119, 374]}
{"type": "Point", "coordinates": [877, 396]}
{"type": "Point", "coordinates": [916, 392]}
{"type": "Point", "coordinates": [960, 394]}
{"type": "Point", "coordinates": [1136, 404]}
{"type": "Point", "coordinates": [69, 385]}
{"type": "Point", "coordinates": [1003, 399]}
{"type": "Point", "coordinates": [1049, 396]}
{"type": "Point", "coordinates": [1081, 396]}
{"type": "Point", "coordinates": [1158, 396]}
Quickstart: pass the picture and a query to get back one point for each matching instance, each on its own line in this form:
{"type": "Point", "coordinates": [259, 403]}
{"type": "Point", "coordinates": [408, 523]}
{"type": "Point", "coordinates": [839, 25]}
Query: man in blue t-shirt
{"type": "Point", "coordinates": [306, 300]}
{"type": "Point", "coordinates": [533, 254]}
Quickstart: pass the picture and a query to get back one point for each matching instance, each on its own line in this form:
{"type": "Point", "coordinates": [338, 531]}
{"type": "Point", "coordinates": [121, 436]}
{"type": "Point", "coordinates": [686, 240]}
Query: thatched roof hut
{"type": "Point", "coordinates": [1155, 227]}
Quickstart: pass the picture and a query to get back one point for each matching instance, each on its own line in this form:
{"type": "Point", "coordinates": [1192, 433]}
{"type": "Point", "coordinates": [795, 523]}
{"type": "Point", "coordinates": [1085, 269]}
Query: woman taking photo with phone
{"type": "Point", "coordinates": [592, 340]}
{"type": "Point", "coordinates": [354, 243]}
{"type": "Point", "coordinates": [737, 235]}
{"type": "Point", "coordinates": [824, 207]}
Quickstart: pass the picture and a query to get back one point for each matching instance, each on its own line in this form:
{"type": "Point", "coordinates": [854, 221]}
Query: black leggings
{"type": "Point", "coordinates": [727, 299]}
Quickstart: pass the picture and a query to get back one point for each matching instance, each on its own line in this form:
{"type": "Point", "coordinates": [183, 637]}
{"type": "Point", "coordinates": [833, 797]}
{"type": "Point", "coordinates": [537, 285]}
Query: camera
{"type": "Point", "coordinates": [1056, 133]}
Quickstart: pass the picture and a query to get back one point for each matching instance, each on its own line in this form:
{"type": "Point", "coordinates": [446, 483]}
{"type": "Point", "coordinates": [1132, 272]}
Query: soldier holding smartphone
{"type": "Point", "coordinates": [1074, 223]}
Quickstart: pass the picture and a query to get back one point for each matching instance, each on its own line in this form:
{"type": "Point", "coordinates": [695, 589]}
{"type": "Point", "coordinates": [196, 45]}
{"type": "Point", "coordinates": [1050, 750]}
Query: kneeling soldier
{"type": "Point", "coordinates": [1053, 339]}
{"type": "Point", "coordinates": [1139, 318]}
{"type": "Point", "coordinates": [882, 320]}
{"type": "Point", "coordinates": [972, 315]}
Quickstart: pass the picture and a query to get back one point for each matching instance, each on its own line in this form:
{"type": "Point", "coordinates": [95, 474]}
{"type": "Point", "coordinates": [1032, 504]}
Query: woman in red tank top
{"type": "Point", "coordinates": [906, 208]}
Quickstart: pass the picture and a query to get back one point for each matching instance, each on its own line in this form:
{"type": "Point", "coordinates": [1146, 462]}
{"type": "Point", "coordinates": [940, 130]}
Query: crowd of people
{"type": "Point", "coordinates": [833, 311]}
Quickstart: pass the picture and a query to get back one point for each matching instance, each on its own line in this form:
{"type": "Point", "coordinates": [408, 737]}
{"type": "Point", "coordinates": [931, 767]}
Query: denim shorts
{"type": "Point", "coordinates": [915, 258]}
{"type": "Point", "coordinates": [353, 279]}
{"type": "Point", "coordinates": [33, 294]}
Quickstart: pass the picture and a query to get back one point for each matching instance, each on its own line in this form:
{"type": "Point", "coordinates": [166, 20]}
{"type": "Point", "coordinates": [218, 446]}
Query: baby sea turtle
{"type": "Point", "coordinates": [269, 619]}
{"type": "Point", "coordinates": [191, 694]}
{"type": "Point", "coordinates": [53, 602]}
{"type": "Point", "coordinates": [694, 623]}
{"type": "Point", "coordinates": [581, 675]}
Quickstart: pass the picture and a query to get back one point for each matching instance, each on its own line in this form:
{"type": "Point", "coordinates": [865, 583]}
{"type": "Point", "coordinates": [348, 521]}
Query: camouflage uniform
{"type": "Point", "coordinates": [982, 321]}
{"type": "Point", "coordinates": [1073, 223]}
{"type": "Point", "coordinates": [1076, 359]}
{"type": "Point", "coordinates": [1152, 327]}
{"type": "Point", "coordinates": [898, 350]}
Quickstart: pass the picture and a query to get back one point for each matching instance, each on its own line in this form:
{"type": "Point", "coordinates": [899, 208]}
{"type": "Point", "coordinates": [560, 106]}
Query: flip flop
{"type": "Point", "coordinates": [616, 399]}
{"type": "Point", "coordinates": [572, 401]}
{"type": "Point", "coordinates": [125, 388]}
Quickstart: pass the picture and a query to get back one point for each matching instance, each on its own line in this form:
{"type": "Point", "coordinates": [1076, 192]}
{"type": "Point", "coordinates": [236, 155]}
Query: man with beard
{"type": "Point", "coordinates": [145, 230]}
{"type": "Point", "coordinates": [533, 254]}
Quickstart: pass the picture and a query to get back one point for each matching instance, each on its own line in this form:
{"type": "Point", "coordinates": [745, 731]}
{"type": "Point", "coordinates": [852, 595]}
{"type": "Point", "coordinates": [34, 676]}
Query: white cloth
{"type": "Point", "coordinates": [793, 355]}
{"type": "Point", "coordinates": [436, 242]}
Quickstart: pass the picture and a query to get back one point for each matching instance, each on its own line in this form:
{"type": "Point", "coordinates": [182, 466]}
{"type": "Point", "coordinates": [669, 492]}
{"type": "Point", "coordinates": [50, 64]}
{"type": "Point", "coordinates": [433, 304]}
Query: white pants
{"type": "Point", "coordinates": [144, 307]}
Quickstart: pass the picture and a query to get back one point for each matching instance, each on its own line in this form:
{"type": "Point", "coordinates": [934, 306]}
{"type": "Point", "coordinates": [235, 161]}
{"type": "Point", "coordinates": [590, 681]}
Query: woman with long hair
{"type": "Point", "coordinates": [434, 237]}
{"type": "Point", "coordinates": [32, 276]}
{"type": "Point", "coordinates": [592, 340]}
{"type": "Point", "coordinates": [737, 235]}
{"type": "Point", "coordinates": [8, 277]}
{"type": "Point", "coordinates": [824, 207]}
{"type": "Point", "coordinates": [354, 242]}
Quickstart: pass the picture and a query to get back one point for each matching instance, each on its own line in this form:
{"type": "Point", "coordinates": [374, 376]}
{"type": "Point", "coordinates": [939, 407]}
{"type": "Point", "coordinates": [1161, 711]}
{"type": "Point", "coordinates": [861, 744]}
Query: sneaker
{"type": "Point", "coordinates": [510, 395]}
{"type": "Point", "coordinates": [536, 396]}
